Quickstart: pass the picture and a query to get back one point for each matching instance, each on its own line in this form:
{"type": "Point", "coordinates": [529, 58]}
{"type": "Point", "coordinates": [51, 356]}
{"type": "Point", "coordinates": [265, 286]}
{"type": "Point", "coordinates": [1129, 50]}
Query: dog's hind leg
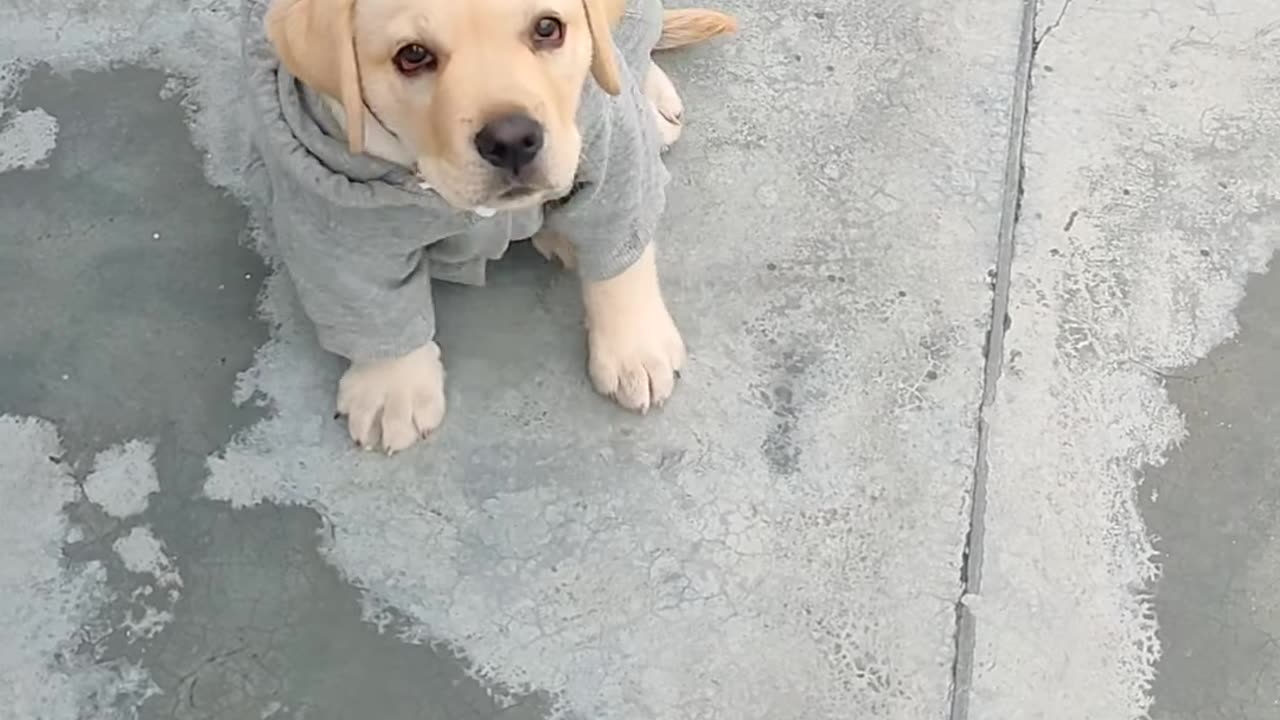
{"type": "Point", "coordinates": [668, 108]}
{"type": "Point", "coordinates": [682, 27]}
{"type": "Point", "coordinates": [554, 246]}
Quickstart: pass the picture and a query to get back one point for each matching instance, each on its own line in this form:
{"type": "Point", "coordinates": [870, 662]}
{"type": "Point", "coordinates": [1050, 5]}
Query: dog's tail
{"type": "Point", "coordinates": [693, 25]}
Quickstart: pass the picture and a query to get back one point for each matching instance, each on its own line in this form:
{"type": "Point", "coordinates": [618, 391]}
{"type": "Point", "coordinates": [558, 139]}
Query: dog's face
{"type": "Point", "coordinates": [483, 93]}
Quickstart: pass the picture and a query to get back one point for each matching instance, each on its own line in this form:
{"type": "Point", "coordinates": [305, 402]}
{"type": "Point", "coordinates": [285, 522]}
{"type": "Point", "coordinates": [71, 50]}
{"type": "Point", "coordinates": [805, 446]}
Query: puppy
{"type": "Point", "coordinates": [401, 140]}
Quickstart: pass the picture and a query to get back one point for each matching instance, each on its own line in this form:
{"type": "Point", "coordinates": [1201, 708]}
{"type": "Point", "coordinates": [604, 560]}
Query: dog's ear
{"type": "Point", "coordinates": [315, 42]}
{"type": "Point", "coordinates": [604, 61]}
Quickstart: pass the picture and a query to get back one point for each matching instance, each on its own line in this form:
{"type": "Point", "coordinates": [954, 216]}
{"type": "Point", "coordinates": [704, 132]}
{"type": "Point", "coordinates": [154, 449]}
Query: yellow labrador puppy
{"type": "Point", "coordinates": [402, 140]}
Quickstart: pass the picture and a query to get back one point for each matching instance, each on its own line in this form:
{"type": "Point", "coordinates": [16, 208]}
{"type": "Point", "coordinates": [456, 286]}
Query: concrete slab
{"type": "Point", "coordinates": [186, 533]}
{"type": "Point", "coordinates": [1150, 194]}
{"type": "Point", "coordinates": [783, 541]}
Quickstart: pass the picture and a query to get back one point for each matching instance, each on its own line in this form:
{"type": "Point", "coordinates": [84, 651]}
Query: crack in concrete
{"type": "Point", "coordinates": [1062, 13]}
{"type": "Point", "coordinates": [971, 563]}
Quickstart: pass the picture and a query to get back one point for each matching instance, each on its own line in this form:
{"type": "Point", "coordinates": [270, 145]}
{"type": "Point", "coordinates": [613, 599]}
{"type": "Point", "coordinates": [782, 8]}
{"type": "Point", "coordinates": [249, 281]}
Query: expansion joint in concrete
{"type": "Point", "coordinates": [971, 564]}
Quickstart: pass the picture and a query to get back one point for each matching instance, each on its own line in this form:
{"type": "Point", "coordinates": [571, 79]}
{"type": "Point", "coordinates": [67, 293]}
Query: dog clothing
{"type": "Point", "coordinates": [361, 239]}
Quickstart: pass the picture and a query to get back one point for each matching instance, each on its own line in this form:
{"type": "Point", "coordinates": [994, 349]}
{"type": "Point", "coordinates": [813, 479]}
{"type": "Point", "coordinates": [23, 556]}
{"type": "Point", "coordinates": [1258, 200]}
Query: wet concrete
{"type": "Point", "coordinates": [136, 306]}
{"type": "Point", "coordinates": [1215, 511]}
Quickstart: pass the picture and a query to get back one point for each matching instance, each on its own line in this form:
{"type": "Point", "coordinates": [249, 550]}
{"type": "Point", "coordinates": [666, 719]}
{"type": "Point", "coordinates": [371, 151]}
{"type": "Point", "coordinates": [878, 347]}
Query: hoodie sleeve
{"type": "Point", "coordinates": [368, 300]}
{"type": "Point", "coordinates": [620, 191]}
{"type": "Point", "coordinates": [358, 264]}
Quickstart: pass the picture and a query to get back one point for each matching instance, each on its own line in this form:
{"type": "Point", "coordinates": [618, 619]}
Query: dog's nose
{"type": "Point", "coordinates": [510, 142]}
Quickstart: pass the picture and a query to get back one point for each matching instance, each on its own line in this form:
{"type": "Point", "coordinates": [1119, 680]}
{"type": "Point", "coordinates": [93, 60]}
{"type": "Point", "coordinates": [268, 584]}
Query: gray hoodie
{"type": "Point", "coordinates": [361, 240]}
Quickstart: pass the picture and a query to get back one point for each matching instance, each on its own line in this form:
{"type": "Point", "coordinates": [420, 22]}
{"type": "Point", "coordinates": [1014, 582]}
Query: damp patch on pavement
{"type": "Point", "coordinates": [51, 610]}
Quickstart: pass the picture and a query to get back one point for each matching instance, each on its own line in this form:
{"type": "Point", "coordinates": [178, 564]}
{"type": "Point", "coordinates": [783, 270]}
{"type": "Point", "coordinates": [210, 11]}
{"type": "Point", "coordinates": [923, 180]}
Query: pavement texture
{"type": "Point", "coordinates": [979, 421]}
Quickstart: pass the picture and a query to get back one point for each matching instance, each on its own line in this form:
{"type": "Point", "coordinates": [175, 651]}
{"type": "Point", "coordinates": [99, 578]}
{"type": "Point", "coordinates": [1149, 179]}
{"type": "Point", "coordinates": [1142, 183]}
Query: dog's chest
{"type": "Point", "coordinates": [463, 253]}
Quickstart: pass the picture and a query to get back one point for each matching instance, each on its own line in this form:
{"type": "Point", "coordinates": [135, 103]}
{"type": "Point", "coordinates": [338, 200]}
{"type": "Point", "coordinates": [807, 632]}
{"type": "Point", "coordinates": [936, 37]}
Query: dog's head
{"type": "Point", "coordinates": [483, 93]}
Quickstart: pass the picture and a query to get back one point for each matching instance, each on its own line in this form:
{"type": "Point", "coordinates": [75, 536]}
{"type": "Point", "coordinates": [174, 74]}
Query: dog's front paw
{"type": "Point", "coordinates": [390, 404]}
{"type": "Point", "coordinates": [635, 359]}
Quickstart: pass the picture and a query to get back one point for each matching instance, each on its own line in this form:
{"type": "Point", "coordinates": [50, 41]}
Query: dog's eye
{"type": "Point", "coordinates": [548, 33]}
{"type": "Point", "coordinates": [413, 59]}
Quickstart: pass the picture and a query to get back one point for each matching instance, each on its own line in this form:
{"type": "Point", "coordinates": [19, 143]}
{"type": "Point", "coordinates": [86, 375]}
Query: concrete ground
{"type": "Point", "coordinates": [979, 421]}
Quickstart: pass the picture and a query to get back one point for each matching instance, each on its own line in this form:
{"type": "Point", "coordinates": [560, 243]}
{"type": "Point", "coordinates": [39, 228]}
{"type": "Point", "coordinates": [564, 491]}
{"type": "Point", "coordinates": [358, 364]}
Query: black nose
{"type": "Point", "coordinates": [510, 142]}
